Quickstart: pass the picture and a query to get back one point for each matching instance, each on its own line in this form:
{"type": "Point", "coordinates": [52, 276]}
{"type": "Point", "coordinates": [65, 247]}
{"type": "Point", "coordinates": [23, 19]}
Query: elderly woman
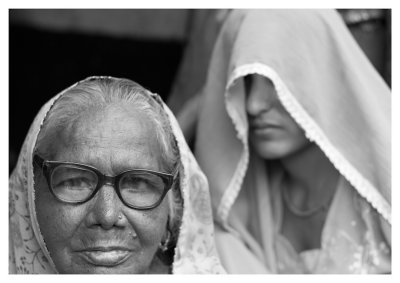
{"type": "Point", "coordinates": [294, 137]}
{"type": "Point", "coordinates": [105, 183]}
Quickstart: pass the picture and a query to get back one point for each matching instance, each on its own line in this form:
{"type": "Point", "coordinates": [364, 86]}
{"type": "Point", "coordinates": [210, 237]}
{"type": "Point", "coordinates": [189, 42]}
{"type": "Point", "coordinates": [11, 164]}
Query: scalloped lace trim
{"type": "Point", "coordinates": [230, 194]}
{"type": "Point", "coordinates": [312, 131]}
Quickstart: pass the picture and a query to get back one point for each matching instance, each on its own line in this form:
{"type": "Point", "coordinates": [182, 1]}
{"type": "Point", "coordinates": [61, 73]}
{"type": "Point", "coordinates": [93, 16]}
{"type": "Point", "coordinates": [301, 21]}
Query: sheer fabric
{"type": "Point", "coordinates": [328, 86]}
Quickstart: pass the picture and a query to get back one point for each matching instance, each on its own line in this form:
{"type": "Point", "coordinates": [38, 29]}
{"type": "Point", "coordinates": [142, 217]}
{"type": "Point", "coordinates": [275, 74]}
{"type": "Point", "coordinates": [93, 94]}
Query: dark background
{"type": "Point", "coordinates": [49, 51]}
{"type": "Point", "coordinates": [44, 60]}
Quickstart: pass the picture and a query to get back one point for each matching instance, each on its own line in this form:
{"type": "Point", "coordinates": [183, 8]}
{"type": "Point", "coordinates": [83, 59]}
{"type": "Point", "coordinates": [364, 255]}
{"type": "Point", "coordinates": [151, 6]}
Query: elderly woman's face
{"type": "Point", "coordinates": [99, 236]}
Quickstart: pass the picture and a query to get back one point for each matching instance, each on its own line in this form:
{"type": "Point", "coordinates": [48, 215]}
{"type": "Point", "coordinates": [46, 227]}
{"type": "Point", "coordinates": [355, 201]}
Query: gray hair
{"type": "Point", "coordinates": [96, 94]}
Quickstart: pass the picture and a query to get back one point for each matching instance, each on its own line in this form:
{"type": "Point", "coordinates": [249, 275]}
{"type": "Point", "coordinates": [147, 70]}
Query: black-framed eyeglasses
{"type": "Point", "coordinates": [78, 183]}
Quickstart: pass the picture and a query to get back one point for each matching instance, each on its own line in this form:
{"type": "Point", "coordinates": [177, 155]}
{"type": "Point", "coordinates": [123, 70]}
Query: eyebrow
{"type": "Point", "coordinates": [125, 163]}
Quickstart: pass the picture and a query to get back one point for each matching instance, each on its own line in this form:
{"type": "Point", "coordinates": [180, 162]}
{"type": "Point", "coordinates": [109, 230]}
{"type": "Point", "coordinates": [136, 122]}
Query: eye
{"type": "Point", "coordinates": [142, 183]}
{"type": "Point", "coordinates": [74, 179]}
{"type": "Point", "coordinates": [141, 189]}
{"type": "Point", "coordinates": [75, 184]}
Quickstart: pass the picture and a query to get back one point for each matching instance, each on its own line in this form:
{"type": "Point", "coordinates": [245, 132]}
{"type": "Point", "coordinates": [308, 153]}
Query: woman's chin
{"type": "Point", "coordinates": [82, 266]}
{"type": "Point", "coordinates": [104, 270]}
{"type": "Point", "coordinates": [270, 150]}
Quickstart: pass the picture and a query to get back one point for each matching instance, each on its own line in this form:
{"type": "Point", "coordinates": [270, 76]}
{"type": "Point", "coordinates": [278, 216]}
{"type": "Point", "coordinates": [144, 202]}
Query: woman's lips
{"type": "Point", "coordinates": [106, 256]}
{"type": "Point", "coordinates": [264, 129]}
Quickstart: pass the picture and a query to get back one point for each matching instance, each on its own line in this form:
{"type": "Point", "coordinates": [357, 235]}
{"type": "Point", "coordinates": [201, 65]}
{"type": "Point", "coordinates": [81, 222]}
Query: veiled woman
{"type": "Point", "coordinates": [294, 137]}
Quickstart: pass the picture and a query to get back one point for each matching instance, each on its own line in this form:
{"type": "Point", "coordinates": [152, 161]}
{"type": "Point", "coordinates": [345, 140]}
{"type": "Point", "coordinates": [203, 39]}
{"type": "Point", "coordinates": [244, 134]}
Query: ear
{"type": "Point", "coordinates": [165, 251]}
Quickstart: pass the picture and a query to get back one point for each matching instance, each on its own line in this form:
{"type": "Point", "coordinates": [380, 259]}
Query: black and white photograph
{"type": "Point", "coordinates": [200, 141]}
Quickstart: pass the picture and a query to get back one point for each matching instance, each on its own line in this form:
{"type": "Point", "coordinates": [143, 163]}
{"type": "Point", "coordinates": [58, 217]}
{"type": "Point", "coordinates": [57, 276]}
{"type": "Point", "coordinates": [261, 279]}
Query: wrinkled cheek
{"type": "Point", "coordinates": [58, 225]}
{"type": "Point", "coordinates": [55, 218]}
{"type": "Point", "coordinates": [151, 226]}
{"type": "Point", "coordinates": [153, 229]}
{"type": "Point", "coordinates": [64, 223]}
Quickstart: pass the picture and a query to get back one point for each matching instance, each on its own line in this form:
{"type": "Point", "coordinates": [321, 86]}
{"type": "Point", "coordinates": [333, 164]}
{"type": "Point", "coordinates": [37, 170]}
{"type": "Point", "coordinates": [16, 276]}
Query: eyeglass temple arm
{"type": "Point", "coordinates": [175, 175]}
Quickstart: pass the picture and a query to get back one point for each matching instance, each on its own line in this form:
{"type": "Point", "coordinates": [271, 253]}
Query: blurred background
{"type": "Point", "coordinates": [165, 50]}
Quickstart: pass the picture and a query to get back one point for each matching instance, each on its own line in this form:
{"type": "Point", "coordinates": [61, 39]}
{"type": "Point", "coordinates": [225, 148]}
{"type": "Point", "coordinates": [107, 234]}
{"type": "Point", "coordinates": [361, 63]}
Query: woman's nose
{"type": "Point", "coordinates": [260, 96]}
{"type": "Point", "coordinates": [106, 210]}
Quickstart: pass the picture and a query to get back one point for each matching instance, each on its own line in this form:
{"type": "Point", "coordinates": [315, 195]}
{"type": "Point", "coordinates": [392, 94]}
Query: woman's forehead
{"type": "Point", "coordinates": [111, 138]}
{"type": "Point", "coordinates": [114, 126]}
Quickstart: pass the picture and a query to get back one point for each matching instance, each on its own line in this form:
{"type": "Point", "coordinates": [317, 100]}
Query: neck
{"type": "Point", "coordinates": [310, 170]}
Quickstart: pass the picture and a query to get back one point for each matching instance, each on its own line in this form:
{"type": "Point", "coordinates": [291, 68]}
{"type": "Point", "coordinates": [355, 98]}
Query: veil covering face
{"type": "Point", "coordinates": [331, 90]}
{"type": "Point", "coordinates": [195, 250]}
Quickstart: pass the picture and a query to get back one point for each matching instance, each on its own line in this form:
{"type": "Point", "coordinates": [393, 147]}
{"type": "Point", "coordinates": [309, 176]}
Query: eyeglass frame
{"type": "Point", "coordinates": [48, 167]}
